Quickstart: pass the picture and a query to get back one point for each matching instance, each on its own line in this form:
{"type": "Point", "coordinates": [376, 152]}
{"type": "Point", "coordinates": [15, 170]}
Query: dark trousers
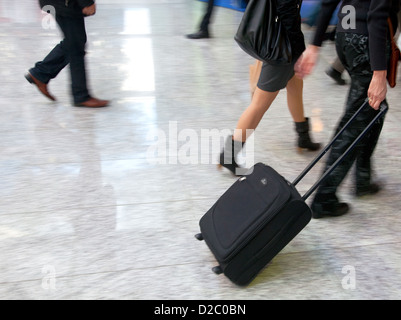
{"type": "Point", "coordinates": [353, 51]}
{"type": "Point", "coordinates": [69, 51]}
{"type": "Point", "coordinates": [204, 26]}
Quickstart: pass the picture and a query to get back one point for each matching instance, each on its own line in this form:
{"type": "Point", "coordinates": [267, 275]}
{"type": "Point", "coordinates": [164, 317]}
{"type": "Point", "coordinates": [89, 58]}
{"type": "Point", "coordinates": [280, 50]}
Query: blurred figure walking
{"type": "Point", "coordinates": [363, 51]}
{"type": "Point", "coordinates": [69, 15]}
{"type": "Point", "coordinates": [203, 31]}
{"type": "Point", "coordinates": [274, 78]}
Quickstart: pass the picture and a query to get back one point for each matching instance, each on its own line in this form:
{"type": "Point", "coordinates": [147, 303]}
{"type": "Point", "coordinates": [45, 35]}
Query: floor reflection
{"type": "Point", "coordinates": [88, 196]}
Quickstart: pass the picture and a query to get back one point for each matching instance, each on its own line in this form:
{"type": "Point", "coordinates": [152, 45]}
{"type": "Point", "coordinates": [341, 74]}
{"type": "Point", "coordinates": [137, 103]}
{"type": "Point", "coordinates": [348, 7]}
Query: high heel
{"type": "Point", "coordinates": [228, 155]}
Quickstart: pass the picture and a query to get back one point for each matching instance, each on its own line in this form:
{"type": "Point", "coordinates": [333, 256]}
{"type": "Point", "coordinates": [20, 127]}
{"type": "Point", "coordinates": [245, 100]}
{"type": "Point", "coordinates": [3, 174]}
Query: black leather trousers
{"type": "Point", "coordinates": [353, 51]}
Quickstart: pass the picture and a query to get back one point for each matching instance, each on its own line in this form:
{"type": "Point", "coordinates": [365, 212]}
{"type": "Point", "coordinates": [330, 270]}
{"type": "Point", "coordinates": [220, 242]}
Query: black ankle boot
{"type": "Point", "coordinates": [370, 189]}
{"type": "Point", "coordinates": [229, 153]}
{"type": "Point", "coordinates": [304, 140]}
{"type": "Point", "coordinates": [201, 34]}
{"type": "Point", "coordinates": [328, 205]}
{"type": "Point", "coordinates": [336, 76]}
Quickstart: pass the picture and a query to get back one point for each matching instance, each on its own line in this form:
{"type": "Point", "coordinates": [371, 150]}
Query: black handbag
{"type": "Point", "coordinates": [261, 34]}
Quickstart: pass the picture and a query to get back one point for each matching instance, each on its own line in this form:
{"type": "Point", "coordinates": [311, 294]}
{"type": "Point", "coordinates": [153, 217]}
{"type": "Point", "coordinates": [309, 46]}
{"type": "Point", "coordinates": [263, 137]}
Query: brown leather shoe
{"type": "Point", "coordinates": [93, 103]}
{"type": "Point", "coordinates": [41, 86]}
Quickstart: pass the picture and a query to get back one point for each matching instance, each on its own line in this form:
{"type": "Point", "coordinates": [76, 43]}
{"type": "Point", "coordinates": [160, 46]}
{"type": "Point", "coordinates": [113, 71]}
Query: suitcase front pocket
{"type": "Point", "coordinates": [245, 208]}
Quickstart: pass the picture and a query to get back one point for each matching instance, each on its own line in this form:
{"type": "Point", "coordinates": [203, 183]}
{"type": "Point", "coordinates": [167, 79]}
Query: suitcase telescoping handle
{"type": "Point", "coordinates": [383, 110]}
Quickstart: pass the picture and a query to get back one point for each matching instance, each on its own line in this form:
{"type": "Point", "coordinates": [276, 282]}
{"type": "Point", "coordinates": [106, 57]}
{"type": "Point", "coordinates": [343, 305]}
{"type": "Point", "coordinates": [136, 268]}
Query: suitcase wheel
{"type": "Point", "coordinates": [199, 236]}
{"type": "Point", "coordinates": [217, 270]}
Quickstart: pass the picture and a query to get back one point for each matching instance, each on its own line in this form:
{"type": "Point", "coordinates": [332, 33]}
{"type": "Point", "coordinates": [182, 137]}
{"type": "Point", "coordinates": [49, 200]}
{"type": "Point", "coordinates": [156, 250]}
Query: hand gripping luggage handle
{"type": "Point", "coordinates": [383, 110]}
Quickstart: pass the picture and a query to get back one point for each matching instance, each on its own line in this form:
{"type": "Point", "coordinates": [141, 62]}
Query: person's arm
{"type": "Point", "coordinates": [377, 27]}
{"type": "Point", "coordinates": [307, 61]}
{"type": "Point", "coordinates": [326, 13]}
{"type": "Point", "coordinates": [378, 88]}
{"type": "Point", "coordinates": [85, 3]}
{"type": "Point", "coordinates": [88, 7]}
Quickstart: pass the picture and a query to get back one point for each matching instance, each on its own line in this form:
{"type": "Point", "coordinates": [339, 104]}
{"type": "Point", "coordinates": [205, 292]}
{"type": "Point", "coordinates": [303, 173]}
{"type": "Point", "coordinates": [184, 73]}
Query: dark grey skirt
{"type": "Point", "coordinates": [275, 77]}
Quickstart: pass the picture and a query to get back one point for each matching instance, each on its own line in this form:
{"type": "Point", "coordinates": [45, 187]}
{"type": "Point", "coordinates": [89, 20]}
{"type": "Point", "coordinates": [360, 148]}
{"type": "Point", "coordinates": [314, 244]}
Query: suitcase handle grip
{"type": "Point", "coordinates": [383, 110]}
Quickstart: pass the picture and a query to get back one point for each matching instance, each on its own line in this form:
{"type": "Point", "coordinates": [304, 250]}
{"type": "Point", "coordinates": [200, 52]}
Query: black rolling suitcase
{"type": "Point", "coordinates": [260, 214]}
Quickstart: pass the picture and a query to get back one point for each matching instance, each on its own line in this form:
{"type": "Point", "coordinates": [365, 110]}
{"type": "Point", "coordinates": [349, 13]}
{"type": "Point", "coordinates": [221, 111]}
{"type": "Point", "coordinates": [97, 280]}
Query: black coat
{"type": "Point", "coordinates": [67, 8]}
{"type": "Point", "coordinates": [289, 13]}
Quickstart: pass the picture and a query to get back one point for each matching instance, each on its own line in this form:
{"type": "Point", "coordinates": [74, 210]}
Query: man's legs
{"type": "Point", "coordinates": [71, 50]}
{"type": "Point", "coordinates": [50, 67]}
{"type": "Point", "coordinates": [73, 47]}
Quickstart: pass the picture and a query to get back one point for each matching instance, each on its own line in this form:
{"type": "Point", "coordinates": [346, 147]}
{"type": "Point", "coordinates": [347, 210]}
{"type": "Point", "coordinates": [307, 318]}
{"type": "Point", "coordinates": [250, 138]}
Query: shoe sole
{"type": "Point", "coordinates": [342, 211]}
{"type": "Point", "coordinates": [78, 105]}
{"type": "Point", "coordinates": [301, 150]}
{"type": "Point", "coordinates": [220, 167]}
{"type": "Point", "coordinates": [367, 193]}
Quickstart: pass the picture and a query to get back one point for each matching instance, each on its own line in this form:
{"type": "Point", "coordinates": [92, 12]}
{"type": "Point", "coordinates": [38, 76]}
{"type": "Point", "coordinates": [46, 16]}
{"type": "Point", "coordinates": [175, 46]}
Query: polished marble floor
{"type": "Point", "coordinates": [104, 204]}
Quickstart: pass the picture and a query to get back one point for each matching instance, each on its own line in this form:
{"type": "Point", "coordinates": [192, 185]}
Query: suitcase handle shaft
{"type": "Point", "coordinates": [383, 110]}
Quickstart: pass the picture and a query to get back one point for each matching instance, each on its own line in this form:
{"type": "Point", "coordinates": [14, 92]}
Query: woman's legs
{"type": "Point", "coordinates": [296, 108]}
{"type": "Point", "coordinates": [251, 117]}
{"type": "Point", "coordinates": [249, 120]}
{"type": "Point", "coordinates": [295, 99]}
